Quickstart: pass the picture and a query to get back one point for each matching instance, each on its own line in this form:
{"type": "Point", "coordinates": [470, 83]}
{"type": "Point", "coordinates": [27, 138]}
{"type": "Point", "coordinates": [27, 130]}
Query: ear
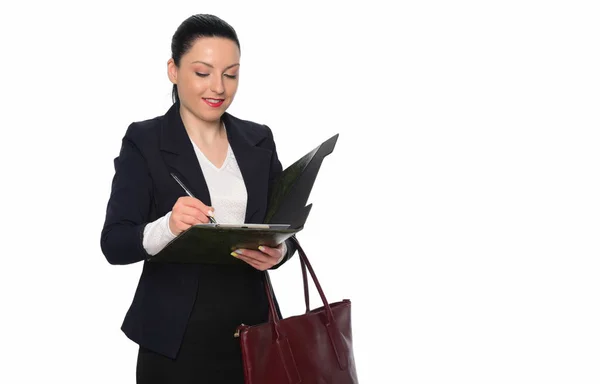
{"type": "Point", "coordinates": [172, 71]}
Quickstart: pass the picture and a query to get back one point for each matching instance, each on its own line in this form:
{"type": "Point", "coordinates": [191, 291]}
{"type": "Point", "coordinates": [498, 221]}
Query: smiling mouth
{"type": "Point", "coordinates": [213, 102]}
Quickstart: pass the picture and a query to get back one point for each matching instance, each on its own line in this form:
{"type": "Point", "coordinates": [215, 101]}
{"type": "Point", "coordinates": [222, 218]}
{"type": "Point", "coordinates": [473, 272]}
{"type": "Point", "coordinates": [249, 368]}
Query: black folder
{"type": "Point", "coordinates": [213, 244]}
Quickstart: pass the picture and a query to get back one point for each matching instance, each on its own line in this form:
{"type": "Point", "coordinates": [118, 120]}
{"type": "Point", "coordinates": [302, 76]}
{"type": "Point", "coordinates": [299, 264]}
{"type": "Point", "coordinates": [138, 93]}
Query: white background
{"type": "Point", "coordinates": [459, 211]}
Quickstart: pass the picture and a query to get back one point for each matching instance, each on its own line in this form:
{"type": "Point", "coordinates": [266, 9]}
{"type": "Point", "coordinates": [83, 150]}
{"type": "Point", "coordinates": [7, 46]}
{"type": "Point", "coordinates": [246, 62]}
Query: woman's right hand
{"type": "Point", "coordinates": [186, 212]}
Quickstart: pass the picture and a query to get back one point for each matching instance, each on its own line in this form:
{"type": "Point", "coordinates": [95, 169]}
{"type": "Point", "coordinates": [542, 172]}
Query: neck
{"type": "Point", "coordinates": [204, 131]}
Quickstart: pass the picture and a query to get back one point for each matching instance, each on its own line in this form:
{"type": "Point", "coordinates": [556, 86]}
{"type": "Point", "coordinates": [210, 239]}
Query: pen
{"type": "Point", "coordinates": [212, 220]}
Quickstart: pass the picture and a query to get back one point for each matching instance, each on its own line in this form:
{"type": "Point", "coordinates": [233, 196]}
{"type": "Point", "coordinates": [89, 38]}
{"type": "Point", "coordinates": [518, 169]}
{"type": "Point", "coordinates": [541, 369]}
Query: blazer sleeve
{"type": "Point", "coordinates": [128, 208]}
{"type": "Point", "coordinates": [275, 171]}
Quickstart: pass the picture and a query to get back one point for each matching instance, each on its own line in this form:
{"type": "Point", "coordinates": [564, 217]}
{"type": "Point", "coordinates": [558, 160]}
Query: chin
{"type": "Point", "coordinates": [211, 115]}
{"type": "Point", "coordinates": [206, 113]}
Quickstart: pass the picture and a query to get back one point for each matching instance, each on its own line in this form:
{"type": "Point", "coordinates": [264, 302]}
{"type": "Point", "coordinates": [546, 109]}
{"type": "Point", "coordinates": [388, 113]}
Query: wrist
{"type": "Point", "coordinates": [168, 224]}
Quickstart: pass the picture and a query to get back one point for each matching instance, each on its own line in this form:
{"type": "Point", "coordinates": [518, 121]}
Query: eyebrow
{"type": "Point", "coordinates": [208, 65]}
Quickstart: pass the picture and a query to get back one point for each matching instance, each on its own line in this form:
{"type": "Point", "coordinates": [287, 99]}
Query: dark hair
{"type": "Point", "coordinates": [201, 25]}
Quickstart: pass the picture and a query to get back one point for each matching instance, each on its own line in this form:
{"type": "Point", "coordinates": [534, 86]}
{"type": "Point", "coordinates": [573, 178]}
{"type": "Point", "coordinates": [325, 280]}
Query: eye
{"type": "Point", "coordinates": [201, 74]}
{"type": "Point", "coordinates": [231, 76]}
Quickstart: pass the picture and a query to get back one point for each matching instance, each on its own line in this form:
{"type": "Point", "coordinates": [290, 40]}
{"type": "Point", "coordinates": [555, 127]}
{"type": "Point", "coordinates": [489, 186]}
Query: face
{"type": "Point", "coordinates": [207, 77]}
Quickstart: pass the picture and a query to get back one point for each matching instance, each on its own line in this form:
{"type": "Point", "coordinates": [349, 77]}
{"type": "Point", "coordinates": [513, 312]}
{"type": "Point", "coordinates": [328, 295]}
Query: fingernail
{"type": "Point", "coordinates": [211, 213]}
{"type": "Point", "coordinates": [262, 249]}
{"type": "Point", "coordinates": [234, 254]}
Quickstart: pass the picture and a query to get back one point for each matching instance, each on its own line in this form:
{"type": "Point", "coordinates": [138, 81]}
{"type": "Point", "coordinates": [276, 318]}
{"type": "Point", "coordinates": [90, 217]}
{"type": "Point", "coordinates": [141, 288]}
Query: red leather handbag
{"type": "Point", "coordinates": [312, 348]}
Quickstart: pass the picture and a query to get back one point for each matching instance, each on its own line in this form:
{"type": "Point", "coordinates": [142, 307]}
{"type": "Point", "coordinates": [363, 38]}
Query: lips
{"type": "Point", "coordinates": [214, 103]}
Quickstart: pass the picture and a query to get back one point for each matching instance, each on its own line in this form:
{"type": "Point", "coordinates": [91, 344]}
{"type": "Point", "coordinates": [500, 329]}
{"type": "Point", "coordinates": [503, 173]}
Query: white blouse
{"type": "Point", "coordinates": [228, 197]}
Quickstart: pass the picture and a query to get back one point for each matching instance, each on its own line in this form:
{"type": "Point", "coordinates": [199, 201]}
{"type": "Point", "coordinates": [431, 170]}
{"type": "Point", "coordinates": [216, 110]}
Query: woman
{"type": "Point", "coordinates": [184, 316]}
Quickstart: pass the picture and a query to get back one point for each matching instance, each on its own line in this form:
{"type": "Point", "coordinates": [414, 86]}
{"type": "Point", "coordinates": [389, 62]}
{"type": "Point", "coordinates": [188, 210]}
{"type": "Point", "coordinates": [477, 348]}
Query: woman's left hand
{"type": "Point", "coordinates": [264, 258]}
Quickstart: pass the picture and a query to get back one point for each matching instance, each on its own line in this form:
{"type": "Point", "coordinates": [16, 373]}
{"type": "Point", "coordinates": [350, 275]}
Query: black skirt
{"type": "Point", "coordinates": [226, 297]}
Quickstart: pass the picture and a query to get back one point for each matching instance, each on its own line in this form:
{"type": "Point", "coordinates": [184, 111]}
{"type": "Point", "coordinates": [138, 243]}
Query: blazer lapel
{"type": "Point", "coordinates": [178, 154]}
{"type": "Point", "coordinates": [253, 161]}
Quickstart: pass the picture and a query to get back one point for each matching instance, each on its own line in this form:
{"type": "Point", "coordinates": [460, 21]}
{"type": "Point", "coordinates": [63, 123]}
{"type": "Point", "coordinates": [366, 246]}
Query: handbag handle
{"type": "Point", "coordinates": [332, 328]}
{"type": "Point", "coordinates": [304, 280]}
{"type": "Point", "coordinates": [305, 285]}
{"type": "Point", "coordinates": [304, 264]}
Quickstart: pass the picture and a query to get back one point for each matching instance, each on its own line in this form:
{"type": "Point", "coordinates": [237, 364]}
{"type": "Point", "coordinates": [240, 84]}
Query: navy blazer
{"type": "Point", "coordinates": [143, 191]}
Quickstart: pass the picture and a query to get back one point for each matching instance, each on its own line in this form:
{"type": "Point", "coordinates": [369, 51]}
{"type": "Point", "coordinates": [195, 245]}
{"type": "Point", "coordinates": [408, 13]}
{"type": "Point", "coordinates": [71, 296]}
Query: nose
{"type": "Point", "coordinates": [216, 85]}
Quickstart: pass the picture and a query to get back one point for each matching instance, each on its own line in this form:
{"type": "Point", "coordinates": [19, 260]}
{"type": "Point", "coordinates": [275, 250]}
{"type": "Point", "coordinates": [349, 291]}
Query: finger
{"type": "Point", "coordinates": [259, 257]}
{"type": "Point", "coordinates": [191, 220]}
{"type": "Point", "coordinates": [254, 263]}
{"type": "Point", "coordinates": [273, 252]}
{"type": "Point", "coordinates": [254, 255]}
{"type": "Point", "coordinates": [195, 212]}
{"type": "Point", "coordinates": [195, 203]}
{"type": "Point", "coordinates": [181, 227]}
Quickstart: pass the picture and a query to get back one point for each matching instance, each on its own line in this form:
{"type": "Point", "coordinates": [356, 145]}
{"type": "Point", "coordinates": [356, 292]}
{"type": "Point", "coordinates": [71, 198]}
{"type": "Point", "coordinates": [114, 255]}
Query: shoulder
{"type": "Point", "coordinates": [254, 132]}
{"type": "Point", "coordinates": [144, 132]}
{"type": "Point", "coordinates": [138, 130]}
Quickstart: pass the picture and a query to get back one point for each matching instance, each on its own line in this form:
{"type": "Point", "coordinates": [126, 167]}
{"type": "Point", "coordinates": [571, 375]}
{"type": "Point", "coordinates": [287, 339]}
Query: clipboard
{"type": "Point", "coordinates": [212, 244]}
